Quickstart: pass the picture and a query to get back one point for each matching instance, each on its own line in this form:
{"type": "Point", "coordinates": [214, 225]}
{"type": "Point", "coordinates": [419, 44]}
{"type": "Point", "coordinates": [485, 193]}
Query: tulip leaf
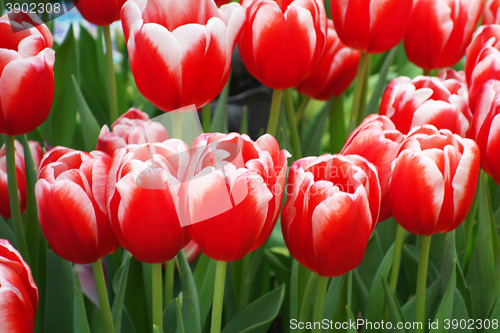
{"type": "Point", "coordinates": [156, 329]}
{"type": "Point", "coordinates": [258, 316]}
{"type": "Point", "coordinates": [120, 286]}
{"type": "Point", "coordinates": [276, 262]}
{"type": "Point", "coordinates": [59, 295]}
{"type": "Point", "coordinates": [432, 301]}
{"type": "Point", "coordinates": [59, 127]}
{"type": "Point", "coordinates": [351, 319]}
{"type": "Point", "coordinates": [6, 233]}
{"type": "Point", "coordinates": [204, 277]}
{"type": "Point", "coordinates": [180, 326]}
{"type": "Point", "coordinates": [135, 300]}
{"type": "Point", "coordinates": [93, 78]}
{"type": "Point", "coordinates": [445, 310]}
{"type": "Point", "coordinates": [311, 140]}
{"type": "Point", "coordinates": [373, 104]}
{"type": "Point", "coordinates": [332, 295]}
{"type": "Point", "coordinates": [495, 315]}
{"type": "Point", "coordinates": [90, 127]}
{"type": "Point", "coordinates": [340, 314]}
{"type": "Point", "coordinates": [481, 274]}
{"type": "Point", "coordinates": [80, 322]}
{"type": "Point", "coordinates": [395, 311]}
{"type": "Point", "coordinates": [170, 317]}
{"type": "Point", "coordinates": [190, 304]}
{"type": "Point", "coordinates": [219, 120]}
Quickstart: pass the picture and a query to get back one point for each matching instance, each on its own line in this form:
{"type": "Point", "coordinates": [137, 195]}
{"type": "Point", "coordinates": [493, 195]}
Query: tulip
{"type": "Point", "coordinates": [427, 100]}
{"type": "Point", "coordinates": [377, 140]}
{"type": "Point", "coordinates": [226, 226]}
{"type": "Point", "coordinates": [100, 12]}
{"type": "Point", "coordinates": [18, 292]}
{"type": "Point", "coordinates": [26, 75]}
{"type": "Point", "coordinates": [36, 152]}
{"type": "Point", "coordinates": [486, 128]}
{"type": "Point", "coordinates": [440, 30]}
{"type": "Point", "coordinates": [128, 129]}
{"type": "Point", "coordinates": [433, 180]}
{"type": "Point", "coordinates": [336, 69]}
{"type": "Point", "coordinates": [142, 194]}
{"type": "Point", "coordinates": [276, 30]}
{"type": "Point", "coordinates": [486, 36]}
{"type": "Point", "coordinates": [221, 2]}
{"type": "Point", "coordinates": [331, 210]}
{"type": "Point", "coordinates": [371, 26]}
{"type": "Point", "coordinates": [70, 195]}
{"type": "Point", "coordinates": [491, 12]}
{"type": "Point", "coordinates": [180, 57]}
{"type": "Point", "coordinates": [487, 68]}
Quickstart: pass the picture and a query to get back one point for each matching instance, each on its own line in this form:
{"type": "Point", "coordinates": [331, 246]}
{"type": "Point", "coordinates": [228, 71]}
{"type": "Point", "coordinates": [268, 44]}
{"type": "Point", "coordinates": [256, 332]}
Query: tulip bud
{"type": "Point", "coordinates": [491, 12]}
{"type": "Point", "coordinates": [100, 12]}
{"type": "Point", "coordinates": [486, 36]}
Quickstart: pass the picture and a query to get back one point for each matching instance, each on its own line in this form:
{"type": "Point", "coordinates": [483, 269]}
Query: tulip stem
{"type": "Point", "coordinates": [302, 108]}
{"type": "Point", "coordinates": [423, 262]}
{"type": "Point", "coordinates": [220, 278]}
{"type": "Point", "coordinates": [396, 261]}
{"type": "Point", "coordinates": [338, 132]}
{"type": "Point", "coordinates": [176, 125]}
{"type": "Point", "coordinates": [292, 122]}
{"type": "Point", "coordinates": [272, 125]}
{"type": "Point", "coordinates": [319, 303]}
{"type": "Point", "coordinates": [15, 208]}
{"type": "Point", "coordinates": [427, 72]}
{"type": "Point", "coordinates": [306, 300]}
{"type": "Point", "coordinates": [359, 99]}
{"type": "Point", "coordinates": [169, 281]}
{"type": "Point", "coordinates": [205, 118]}
{"type": "Point", "coordinates": [102, 293]}
{"type": "Point", "coordinates": [113, 97]}
{"type": "Point", "coordinates": [157, 295]}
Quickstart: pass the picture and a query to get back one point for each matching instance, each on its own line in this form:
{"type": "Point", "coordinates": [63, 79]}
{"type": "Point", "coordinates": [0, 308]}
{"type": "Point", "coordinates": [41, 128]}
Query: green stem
{"type": "Point", "coordinates": [157, 295]}
{"type": "Point", "coordinates": [205, 118]}
{"type": "Point", "coordinates": [290, 114]}
{"type": "Point", "coordinates": [306, 300]}
{"type": "Point", "coordinates": [15, 208]}
{"type": "Point", "coordinates": [427, 72]}
{"type": "Point", "coordinates": [359, 100]}
{"type": "Point", "coordinates": [272, 125]}
{"type": "Point", "coordinates": [423, 262]}
{"type": "Point", "coordinates": [396, 261]}
{"type": "Point", "coordinates": [169, 281]}
{"type": "Point", "coordinates": [220, 278]}
{"type": "Point", "coordinates": [102, 293]}
{"type": "Point", "coordinates": [319, 303]}
{"type": "Point", "coordinates": [176, 125]}
{"type": "Point", "coordinates": [113, 97]}
{"type": "Point", "coordinates": [338, 131]}
{"type": "Point", "coordinates": [302, 107]}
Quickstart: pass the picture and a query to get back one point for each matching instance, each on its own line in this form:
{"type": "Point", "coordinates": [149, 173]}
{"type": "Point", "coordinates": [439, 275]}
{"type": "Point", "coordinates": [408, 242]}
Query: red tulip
{"type": "Point", "coordinates": [128, 129]}
{"type": "Point", "coordinates": [71, 200]}
{"type": "Point", "coordinates": [180, 50]}
{"type": "Point", "coordinates": [282, 41]}
{"type": "Point", "coordinates": [221, 2]}
{"type": "Point", "coordinates": [142, 197]}
{"type": "Point", "coordinates": [440, 30]}
{"type": "Point", "coordinates": [487, 68]}
{"type": "Point", "coordinates": [491, 12]}
{"type": "Point", "coordinates": [486, 36]}
{"type": "Point", "coordinates": [232, 193]}
{"type": "Point", "coordinates": [372, 26]}
{"type": "Point", "coordinates": [331, 211]}
{"type": "Point", "coordinates": [433, 180]}
{"type": "Point", "coordinates": [36, 151]}
{"type": "Point", "coordinates": [100, 12]}
{"type": "Point", "coordinates": [26, 76]}
{"type": "Point", "coordinates": [427, 100]}
{"type": "Point", "coordinates": [18, 292]}
{"type": "Point", "coordinates": [377, 140]}
{"type": "Point", "coordinates": [486, 128]}
{"type": "Point", "coordinates": [336, 69]}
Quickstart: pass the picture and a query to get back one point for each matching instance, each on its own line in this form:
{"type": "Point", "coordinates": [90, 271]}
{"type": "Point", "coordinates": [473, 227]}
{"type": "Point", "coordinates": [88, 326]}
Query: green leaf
{"type": "Point", "coordinates": [135, 300]}
{"type": "Point", "coordinates": [204, 277]}
{"type": "Point", "coordinates": [170, 317]}
{"type": "Point", "coordinates": [280, 264]}
{"type": "Point", "coordinates": [351, 318]}
{"type": "Point", "coordinates": [445, 310]}
{"type": "Point", "coordinates": [59, 127]}
{"type": "Point", "coordinates": [6, 233]}
{"type": "Point", "coordinates": [495, 315]}
{"type": "Point", "coordinates": [59, 296]}
{"type": "Point", "coordinates": [120, 286]}
{"type": "Point", "coordinates": [80, 322]}
{"type": "Point", "coordinates": [340, 314]}
{"type": "Point", "coordinates": [219, 121]}
{"type": "Point", "coordinates": [156, 329]}
{"type": "Point", "coordinates": [395, 310]}
{"type": "Point", "coordinates": [332, 295]}
{"type": "Point", "coordinates": [180, 327]}
{"type": "Point", "coordinates": [190, 304]}
{"type": "Point", "coordinates": [481, 274]}
{"type": "Point", "coordinates": [90, 127]}
{"type": "Point", "coordinates": [432, 301]}
{"type": "Point", "coordinates": [311, 140]}
{"type": "Point", "coordinates": [259, 315]}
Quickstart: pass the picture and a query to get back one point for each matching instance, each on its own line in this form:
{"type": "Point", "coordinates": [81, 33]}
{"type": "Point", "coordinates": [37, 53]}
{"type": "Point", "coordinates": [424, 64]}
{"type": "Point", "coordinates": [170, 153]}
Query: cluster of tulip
{"type": "Point", "coordinates": [140, 191]}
